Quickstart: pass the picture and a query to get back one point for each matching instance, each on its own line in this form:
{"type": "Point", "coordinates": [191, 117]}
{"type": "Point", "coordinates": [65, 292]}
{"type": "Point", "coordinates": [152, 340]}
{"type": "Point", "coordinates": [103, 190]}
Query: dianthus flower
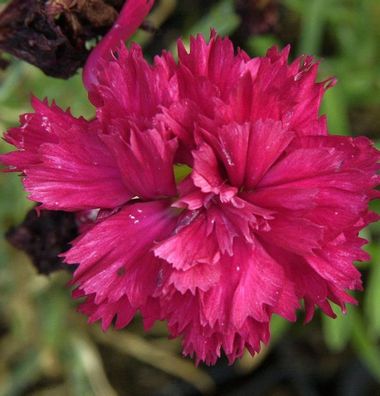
{"type": "Point", "coordinates": [266, 216]}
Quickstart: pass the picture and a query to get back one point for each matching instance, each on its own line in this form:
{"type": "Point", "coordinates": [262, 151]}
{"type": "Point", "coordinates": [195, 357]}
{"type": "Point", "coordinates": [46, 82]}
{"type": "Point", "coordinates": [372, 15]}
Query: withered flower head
{"type": "Point", "coordinates": [43, 237]}
{"type": "Point", "coordinates": [52, 34]}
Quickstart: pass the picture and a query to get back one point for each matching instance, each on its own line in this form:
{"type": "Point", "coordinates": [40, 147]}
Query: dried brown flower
{"type": "Point", "coordinates": [43, 237]}
{"type": "Point", "coordinates": [52, 34]}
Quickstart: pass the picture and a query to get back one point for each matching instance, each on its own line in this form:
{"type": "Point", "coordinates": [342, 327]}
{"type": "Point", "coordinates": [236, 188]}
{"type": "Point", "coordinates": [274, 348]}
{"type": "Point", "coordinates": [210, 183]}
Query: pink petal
{"type": "Point", "coordinates": [35, 129]}
{"type": "Point", "coordinates": [114, 264]}
{"type": "Point", "coordinates": [74, 174]}
{"type": "Point", "coordinates": [261, 280]}
{"type": "Point", "coordinates": [267, 142]}
{"type": "Point", "coordinates": [141, 89]}
{"type": "Point", "coordinates": [283, 197]}
{"type": "Point", "coordinates": [206, 174]}
{"type": "Point", "coordinates": [305, 283]}
{"type": "Point", "coordinates": [145, 162]}
{"type": "Point", "coordinates": [62, 172]}
{"type": "Point", "coordinates": [200, 276]}
{"type": "Point", "coordinates": [294, 234]}
{"type": "Point", "coordinates": [121, 309]}
{"type": "Point", "coordinates": [304, 164]}
{"type": "Point", "coordinates": [360, 154]}
{"type": "Point", "coordinates": [335, 261]}
{"type": "Point", "coordinates": [203, 319]}
{"type": "Point", "coordinates": [231, 143]}
{"type": "Point", "coordinates": [191, 244]}
{"type": "Point", "coordinates": [247, 150]}
{"type": "Point", "coordinates": [215, 61]}
{"type": "Point", "coordinates": [130, 18]}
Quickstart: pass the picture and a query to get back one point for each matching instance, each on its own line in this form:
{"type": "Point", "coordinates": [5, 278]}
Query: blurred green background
{"type": "Point", "coordinates": [46, 348]}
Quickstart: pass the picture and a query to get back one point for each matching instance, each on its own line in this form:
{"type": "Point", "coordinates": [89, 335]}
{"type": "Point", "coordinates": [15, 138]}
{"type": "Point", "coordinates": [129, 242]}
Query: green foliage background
{"type": "Point", "coordinates": [46, 348]}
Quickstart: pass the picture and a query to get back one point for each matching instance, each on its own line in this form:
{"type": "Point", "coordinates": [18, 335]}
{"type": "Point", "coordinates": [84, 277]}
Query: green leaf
{"type": "Point", "coordinates": [278, 327]}
{"type": "Point", "coordinates": [222, 18]}
{"type": "Point", "coordinates": [365, 345]}
{"type": "Point", "coordinates": [337, 332]}
{"type": "Point", "coordinates": [372, 294]}
{"type": "Point", "coordinates": [259, 45]}
{"type": "Point", "coordinates": [313, 20]}
{"type": "Point", "coordinates": [86, 370]}
{"type": "Point", "coordinates": [53, 309]}
{"type": "Point", "coordinates": [335, 107]}
{"type": "Point", "coordinates": [23, 375]}
{"type": "Point", "coordinates": [181, 172]}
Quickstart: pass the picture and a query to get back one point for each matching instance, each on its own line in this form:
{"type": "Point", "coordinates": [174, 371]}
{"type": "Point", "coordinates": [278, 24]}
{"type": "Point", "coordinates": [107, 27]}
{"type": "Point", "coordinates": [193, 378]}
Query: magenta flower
{"type": "Point", "coordinates": [267, 216]}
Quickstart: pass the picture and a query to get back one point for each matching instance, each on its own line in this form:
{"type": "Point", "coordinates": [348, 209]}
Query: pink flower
{"type": "Point", "coordinates": [267, 216]}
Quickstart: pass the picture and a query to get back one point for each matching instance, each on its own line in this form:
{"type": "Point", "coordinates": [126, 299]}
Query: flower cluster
{"type": "Point", "coordinates": [221, 198]}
